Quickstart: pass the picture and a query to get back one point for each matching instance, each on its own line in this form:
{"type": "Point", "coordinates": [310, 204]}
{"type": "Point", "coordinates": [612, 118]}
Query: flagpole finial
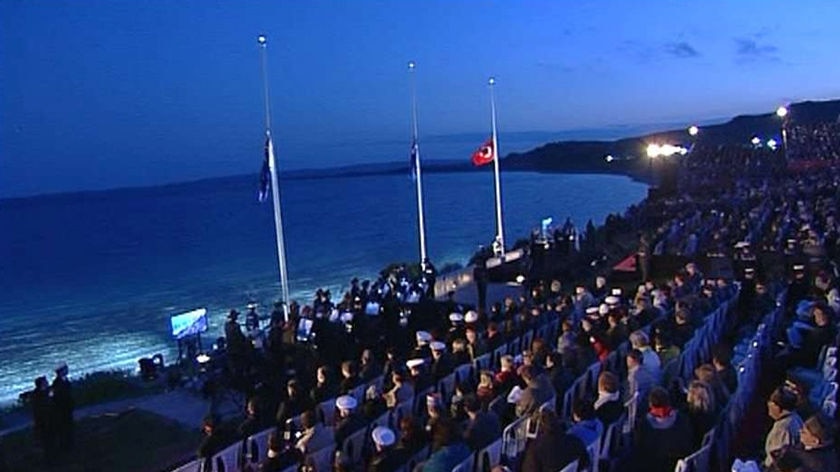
{"type": "Point", "coordinates": [412, 65]}
{"type": "Point", "coordinates": [491, 81]}
{"type": "Point", "coordinates": [261, 39]}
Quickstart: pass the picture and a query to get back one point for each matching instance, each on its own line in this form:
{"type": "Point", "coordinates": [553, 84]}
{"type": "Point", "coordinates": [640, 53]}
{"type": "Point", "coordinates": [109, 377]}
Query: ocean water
{"type": "Point", "coordinates": [92, 278]}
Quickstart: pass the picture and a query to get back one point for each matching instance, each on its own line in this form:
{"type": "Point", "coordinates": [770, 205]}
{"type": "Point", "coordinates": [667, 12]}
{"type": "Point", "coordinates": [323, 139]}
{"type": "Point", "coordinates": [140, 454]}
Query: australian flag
{"type": "Point", "coordinates": [265, 174]}
{"type": "Point", "coordinates": [415, 156]}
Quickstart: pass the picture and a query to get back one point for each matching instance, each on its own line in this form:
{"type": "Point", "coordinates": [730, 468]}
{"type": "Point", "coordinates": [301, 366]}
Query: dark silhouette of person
{"type": "Point", "coordinates": [62, 401]}
{"type": "Point", "coordinates": [41, 417]}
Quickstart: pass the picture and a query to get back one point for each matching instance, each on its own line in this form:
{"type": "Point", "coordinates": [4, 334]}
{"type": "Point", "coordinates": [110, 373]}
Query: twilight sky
{"type": "Point", "coordinates": [100, 94]}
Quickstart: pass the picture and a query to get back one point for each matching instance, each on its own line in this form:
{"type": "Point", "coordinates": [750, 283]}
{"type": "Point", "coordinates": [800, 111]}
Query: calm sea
{"type": "Point", "coordinates": [92, 278]}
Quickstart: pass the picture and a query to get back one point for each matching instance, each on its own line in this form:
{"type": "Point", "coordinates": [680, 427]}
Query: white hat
{"type": "Point", "coordinates": [603, 309]}
{"type": "Point", "coordinates": [437, 346]}
{"type": "Point", "coordinates": [593, 310]}
{"type": "Point", "coordinates": [412, 363]}
{"type": "Point", "coordinates": [456, 317]}
{"type": "Point", "coordinates": [471, 316]}
{"type": "Point", "coordinates": [799, 267]}
{"type": "Point", "coordinates": [741, 244]}
{"type": "Point", "coordinates": [612, 300]}
{"type": "Point", "coordinates": [383, 436]}
{"type": "Point", "coordinates": [347, 317]}
{"type": "Point", "coordinates": [61, 366]}
{"type": "Point", "coordinates": [346, 402]}
{"type": "Point", "coordinates": [423, 337]}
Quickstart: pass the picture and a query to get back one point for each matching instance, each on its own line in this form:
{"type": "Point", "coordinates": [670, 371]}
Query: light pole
{"type": "Point", "coordinates": [782, 112]}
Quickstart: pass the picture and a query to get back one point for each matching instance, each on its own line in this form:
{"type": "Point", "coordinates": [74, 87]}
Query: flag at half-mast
{"type": "Point", "coordinates": [484, 154]}
{"type": "Point", "coordinates": [415, 159]}
{"type": "Point", "coordinates": [265, 172]}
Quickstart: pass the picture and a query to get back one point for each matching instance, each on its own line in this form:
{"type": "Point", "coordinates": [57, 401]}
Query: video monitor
{"type": "Point", "coordinates": [189, 323]}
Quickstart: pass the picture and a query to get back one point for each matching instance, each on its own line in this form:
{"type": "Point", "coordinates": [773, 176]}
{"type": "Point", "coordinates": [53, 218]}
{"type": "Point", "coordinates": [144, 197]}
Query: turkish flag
{"type": "Point", "coordinates": [484, 154]}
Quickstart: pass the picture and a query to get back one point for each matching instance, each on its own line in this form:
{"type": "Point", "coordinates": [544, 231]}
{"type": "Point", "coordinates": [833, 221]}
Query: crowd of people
{"type": "Point", "coordinates": [579, 370]}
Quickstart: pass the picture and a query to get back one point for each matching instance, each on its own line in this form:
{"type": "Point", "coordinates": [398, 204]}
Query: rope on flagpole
{"type": "Point", "coordinates": [275, 189]}
{"type": "Point", "coordinates": [418, 179]}
{"type": "Point", "coordinates": [500, 232]}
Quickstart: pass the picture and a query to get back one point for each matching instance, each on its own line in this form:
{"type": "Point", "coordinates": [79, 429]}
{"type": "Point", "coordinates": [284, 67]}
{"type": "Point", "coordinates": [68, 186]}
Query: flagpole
{"type": "Point", "coordinates": [500, 232]}
{"type": "Point", "coordinates": [275, 189]}
{"type": "Point", "coordinates": [418, 178]}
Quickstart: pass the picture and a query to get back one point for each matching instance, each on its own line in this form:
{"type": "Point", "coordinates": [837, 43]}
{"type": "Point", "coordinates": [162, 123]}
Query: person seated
{"type": "Point", "coordinates": [608, 406]}
{"type": "Point", "coordinates": [276, 460]}
{"type": "Point", "coordinates": [475, 346]}
{"type": "Point", "coordinates": [370, 368]}
{"type": "Point", "coordinates": [707, 373]}
{"type": "Point", "coordinates": [441, 361]}
{"type": "Point", "coordinates": [460, 356]}
{"type": "Point", "coordinates": [506, 378]}
{"type": "Point", "coordinates": [325, 388]}
{"type": "Point", "coordinates": [781, 408]}
{"type": "Point", "coordinates": [816, 449]}
{"type": "Point", "coordinates": [639, 379]}
{"type": "Point", "coordinates": [348, 421]}
{"type": "Point", "coordinates": [349, 377]}
{"type": "Point", "coordinates": [448, 446]}
{"type": "Point", "coordinates": [486, 390]}
{"type": "Point", "coordinates": [722, 360]}
{"type": "Point", "coordinates": [700, 409]}
{"type": "Point", "coordinates": [296, 402]}
{"type": "Point", "coordinates": [402, 390]}
{"type": "Point", "coordinates": [412, 438]}
{"type": "Point", "coordinates": [386, 457]}
{"type": "Point", "coordinates": [419, 377]}
{"type": "Point", "coordinates": [435, 412]}
{"type": "Point", "coordinates": [559, 375]}
{"type": "Point", "coordinates": [640, 341]}
{"type": "Point", "coordinates": [253, 422]}
{"type": "Point", "coordinates": [664, 347]}
{"type": "Point", "coordinates": [315, 436]}
{"type": "Point", "coordinates": [552, 449]}
{"type": "Point", "coordinates": [213, 441]}
{"type": "Point", "coordinates": [587, 427]}
{"type": "Point", "coordinates": [483, 427]}
{"type": "Point", "coordinates": [662, 437]}
{"type": "Point", "coordinates": [538, 390]}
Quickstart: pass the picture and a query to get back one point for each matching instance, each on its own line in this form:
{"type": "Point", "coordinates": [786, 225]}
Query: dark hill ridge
{"type": "Point", "coordinates": [589, 156]}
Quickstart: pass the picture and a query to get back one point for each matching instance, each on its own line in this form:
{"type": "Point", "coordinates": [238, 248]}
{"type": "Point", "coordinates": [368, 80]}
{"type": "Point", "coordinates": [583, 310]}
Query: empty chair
{"type": "Point", "coordinates": [489, 457]}
{"type": "Point", "coordinates": [446, 387]}
{"type": "Point", "coordinates": [466, 465]}
{"type": "Point", "coordinates": [326, 412]}
{"type": "Point", "coordinates": [257, 446]}
{"type": "Point", "coordinates": [192, 466]}
{"type": "Point", "coordinates": [321, 460]}
{"type": "Point", "coordinates": [228, 459]}
{"type": "Point", "coordinates": [354, 445]}
{"type": "Point", "coordinates": [485, 361]}
{"type": "Point", "coordinates": [464, 372]}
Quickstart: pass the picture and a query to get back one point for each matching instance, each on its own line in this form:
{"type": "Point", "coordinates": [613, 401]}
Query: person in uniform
{"type": "Point", "coordinates": [442, 363]}
{"type": "Point", "coordinates": [385, 457]}
{"type": "Point", "coordinates": [349, 421]}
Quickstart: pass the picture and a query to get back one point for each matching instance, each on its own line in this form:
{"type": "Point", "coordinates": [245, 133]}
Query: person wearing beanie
{"type": "Point", "coordinates": [781, 407]}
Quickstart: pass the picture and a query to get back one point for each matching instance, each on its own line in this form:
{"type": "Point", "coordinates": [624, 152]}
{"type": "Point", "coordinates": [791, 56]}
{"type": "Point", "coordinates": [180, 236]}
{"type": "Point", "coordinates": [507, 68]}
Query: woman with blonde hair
{"type": "Point", "coordinates": [700, 409]}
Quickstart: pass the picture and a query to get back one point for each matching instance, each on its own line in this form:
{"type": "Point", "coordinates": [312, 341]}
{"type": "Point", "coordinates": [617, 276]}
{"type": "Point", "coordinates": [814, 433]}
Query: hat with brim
{"type": "Point", "coordinates": [383, 436]}
{"type": "Point", "coordinates": [423, 337]}
{"type": "Point", "coordinates": [471, 316]}
{"type": "Point", "coordinates": [414, 363]}
{"type": "Point", "coordinates": [612, 300]}
{"type": "Point", "coordinates": [593, 310]}
{"type": "Point", "coordinates": [346, 402]}
{"type": "Point", "coordinates": [456, 317]}
{"type": "Point", "coordinates": [437, 346]}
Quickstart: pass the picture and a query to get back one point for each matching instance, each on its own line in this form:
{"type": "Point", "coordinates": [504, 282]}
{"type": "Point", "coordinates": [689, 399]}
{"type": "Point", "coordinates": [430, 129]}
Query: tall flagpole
{"type": "Point", "coordinates": [275, 189]}
{"type": "Point", "coordinates": [500, 231]}
{"type": "Point", "coordinates": [418, 178]}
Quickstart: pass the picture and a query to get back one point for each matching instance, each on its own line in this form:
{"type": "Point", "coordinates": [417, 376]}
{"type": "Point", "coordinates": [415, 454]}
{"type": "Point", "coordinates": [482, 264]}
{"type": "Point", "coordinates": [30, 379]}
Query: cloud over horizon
{"type": "Point", "coordinates": [749, 50]}
{"type": "Point", "coordinates": [682, 50]}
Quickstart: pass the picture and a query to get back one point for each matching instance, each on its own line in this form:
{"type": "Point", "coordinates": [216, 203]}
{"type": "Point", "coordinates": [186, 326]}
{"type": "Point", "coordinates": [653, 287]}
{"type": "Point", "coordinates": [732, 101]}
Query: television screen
{"type": "Point", "coordinates": [189, 323]}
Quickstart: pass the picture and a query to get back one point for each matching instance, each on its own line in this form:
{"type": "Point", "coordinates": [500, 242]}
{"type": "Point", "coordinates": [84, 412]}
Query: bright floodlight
{"type": "Point", "coordinates": [772, 143]}
{"type": "Point", "coordinates": [609, 158]}
{"type": "Point", "coordinates": [665, 150]}
{"type": "Point", "coordinates": [261, 39]}
{"type": "Point", "coordinates": [411, 64]}
{"type": "Point", "coordinates": [693, 130]}
{"type": "Point", "coordinates": [492, 81]}
{"type": "Point", "coordinates": [520, 279]}
{"type": "Point", "coordinates": [781, 112]}
{"type": "Point", "coordinates": [756, 141]}
{"type": "Point", "coordinates": [653, 150]}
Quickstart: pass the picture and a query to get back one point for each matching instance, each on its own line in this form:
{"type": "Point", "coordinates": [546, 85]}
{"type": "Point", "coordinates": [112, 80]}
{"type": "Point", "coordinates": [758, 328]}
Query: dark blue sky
{"type": "Point", "coordinates": [98, 94]}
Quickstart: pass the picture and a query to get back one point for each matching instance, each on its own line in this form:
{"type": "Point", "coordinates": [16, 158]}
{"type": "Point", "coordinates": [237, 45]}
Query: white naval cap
{"type": "Point", "coordinates": [346, 402]}
{"type": "Point", "coordinates": [383, 436]}
{"type": "Point", "coordinates": [437, 346]}
{"type": "Point", "coordinates": [412, 363]}
{"type": "Point", "coordinates": [471, 316]}
{"type": "Point", "coordinates": [423, 337]}
{"type": "Point", "coordinates": [456, 317]}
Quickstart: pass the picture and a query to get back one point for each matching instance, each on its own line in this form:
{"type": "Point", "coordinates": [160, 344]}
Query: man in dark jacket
{"type": "Point", "coordinates": [552, 449]}
{"type": "Point", "coordinates": [663, 436]}
{"type": "Point", "coordinates": [483, 427]}
{"type": "Point", "coordinates": [349, 421]}
{"type": "Point", "coordinates": [213, 441]}
{"type": "Point", "coordinates": [41, 416]}
{"type": "Point", "coordinates": [385, 458]}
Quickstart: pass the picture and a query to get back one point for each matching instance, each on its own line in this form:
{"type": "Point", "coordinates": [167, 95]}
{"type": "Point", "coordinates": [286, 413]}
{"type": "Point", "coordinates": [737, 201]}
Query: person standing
{"type": "Point", "coordinates": [44, 430]}
{"type": "Point", "coordinates": [62, 400]}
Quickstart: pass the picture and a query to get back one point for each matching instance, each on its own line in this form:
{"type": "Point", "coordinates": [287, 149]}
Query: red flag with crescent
{"type": "Point", "coordinates": [484, 154]}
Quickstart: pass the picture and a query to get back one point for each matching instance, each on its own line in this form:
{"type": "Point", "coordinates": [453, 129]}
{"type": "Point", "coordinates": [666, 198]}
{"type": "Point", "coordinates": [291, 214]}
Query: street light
{"type": "Point", "coordinates": [693, 130]}
{"type": "Point", "coordinates": [782, 112]}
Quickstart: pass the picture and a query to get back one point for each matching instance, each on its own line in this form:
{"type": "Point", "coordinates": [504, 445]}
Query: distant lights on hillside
{"type": "Point", "coordinates": [693, 130]}
{"type": "Point", "coordinates": [664, 150]}
{"type": "Point", "coordinates": [609, 158]}
{"type": "Point", "coordinates": [772, 144]}
{"type": "Point", "coordinates": [756, 141]}
{"type": "Point", "coordinates": [782, 111]}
